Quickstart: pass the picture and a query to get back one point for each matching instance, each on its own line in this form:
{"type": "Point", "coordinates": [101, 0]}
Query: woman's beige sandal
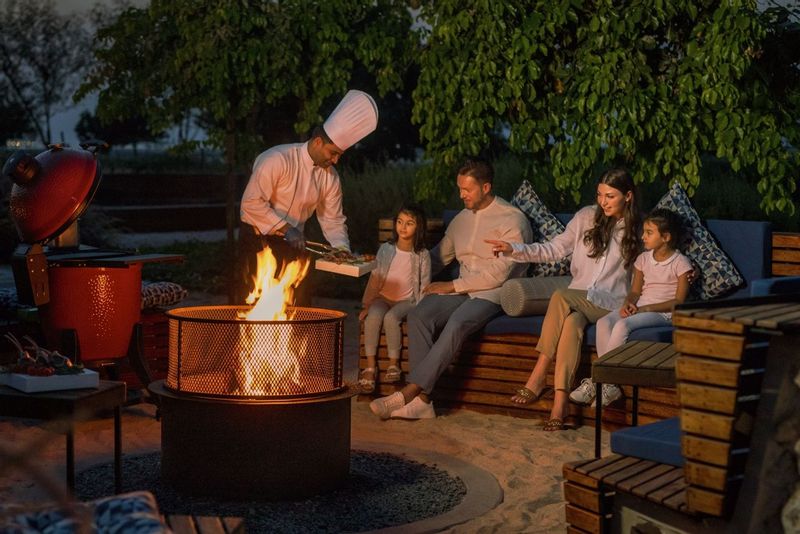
{"type": "Point", "coordinates": [525, 395]}
{"type": "Point", "coordinates": [366, 381]}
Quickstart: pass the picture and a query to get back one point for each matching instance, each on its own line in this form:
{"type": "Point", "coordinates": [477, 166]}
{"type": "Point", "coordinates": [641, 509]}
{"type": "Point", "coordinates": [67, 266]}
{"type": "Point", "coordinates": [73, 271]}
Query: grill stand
{"type": "Point", "coordinates": [270, 449]}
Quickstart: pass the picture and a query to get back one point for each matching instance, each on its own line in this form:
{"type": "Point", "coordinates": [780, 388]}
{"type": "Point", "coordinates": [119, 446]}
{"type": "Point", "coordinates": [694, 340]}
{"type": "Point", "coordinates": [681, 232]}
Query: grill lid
{"type": "Point", "coordinates": [51, 190]}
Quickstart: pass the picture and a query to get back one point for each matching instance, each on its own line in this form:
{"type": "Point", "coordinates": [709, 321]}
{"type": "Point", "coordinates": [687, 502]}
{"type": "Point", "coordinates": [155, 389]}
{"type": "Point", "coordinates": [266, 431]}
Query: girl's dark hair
{"type": "Point", "coordinates": [416, 212]}
{"type": "Point", "coordinates": [667, 222]}
{"type": "Point", "coordinates": [599, 236]}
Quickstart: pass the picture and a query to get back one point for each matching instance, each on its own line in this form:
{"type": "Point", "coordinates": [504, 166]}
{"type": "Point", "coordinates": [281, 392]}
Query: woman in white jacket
{"type": "Point", "coordinates": [603, 241]}
{"type": "Point", "coordinates": [394, 287]}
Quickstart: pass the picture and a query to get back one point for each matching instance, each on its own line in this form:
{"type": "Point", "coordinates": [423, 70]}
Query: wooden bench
{"type": "Point", "coordinates": [491, 366]}
{"type": "Point", "coordinates": [195, 524]}
{"type": "Point", "coordinates": [735, 370]}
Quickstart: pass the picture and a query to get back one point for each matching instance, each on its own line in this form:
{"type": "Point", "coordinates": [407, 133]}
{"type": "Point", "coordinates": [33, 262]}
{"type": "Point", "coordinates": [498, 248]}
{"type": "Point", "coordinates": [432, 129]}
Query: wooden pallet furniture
{"type": "Point", "coordinates": [785, 254]}
{"type": "Point", "coordinates": [735, 371]}
{"type": "Point", "coordinates": [636, 364]}
{"type": "Point", "coordinates": [195, 524]}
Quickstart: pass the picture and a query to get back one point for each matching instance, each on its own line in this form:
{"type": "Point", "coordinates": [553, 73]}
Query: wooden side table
{"type": "Point", "coordinates": [74, 405]}
{"type": "Point", "coordinates": [636, 363]}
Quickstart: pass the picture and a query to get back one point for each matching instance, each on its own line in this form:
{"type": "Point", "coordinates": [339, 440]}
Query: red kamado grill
{"type": "Point", "coordinates": [254, 409]}
{"type": "Point", "coordinates": [89, 299]}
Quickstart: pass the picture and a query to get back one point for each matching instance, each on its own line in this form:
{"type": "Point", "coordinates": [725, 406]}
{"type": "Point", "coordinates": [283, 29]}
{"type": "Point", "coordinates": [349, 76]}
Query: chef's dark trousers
{"type": "Point", "coordinates": [250, 244]}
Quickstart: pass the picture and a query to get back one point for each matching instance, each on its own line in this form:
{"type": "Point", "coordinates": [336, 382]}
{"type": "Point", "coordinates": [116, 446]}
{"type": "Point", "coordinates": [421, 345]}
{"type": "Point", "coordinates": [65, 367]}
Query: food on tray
{"type": "Point", "coordinates": [348, 258]}
{"type": "Point", "coordinates": [37, 361]}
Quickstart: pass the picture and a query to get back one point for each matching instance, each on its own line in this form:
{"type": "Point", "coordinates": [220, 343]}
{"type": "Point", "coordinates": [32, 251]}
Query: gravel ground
{"type": "Point", "coordinates": [383, 490]}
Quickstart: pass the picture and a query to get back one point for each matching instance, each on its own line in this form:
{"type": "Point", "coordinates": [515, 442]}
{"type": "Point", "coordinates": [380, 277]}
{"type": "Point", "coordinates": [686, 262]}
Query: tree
{"type": "Point", "coordinates": [15, 121]}
{"type": "Point", "coordinates": [42, 59]}
{"type": "Point", "coordinates": [129, 131]}
{"type": "Point", "coordinates": [231, 60]}
{"type": "Point", "coordinates": [654, 85]}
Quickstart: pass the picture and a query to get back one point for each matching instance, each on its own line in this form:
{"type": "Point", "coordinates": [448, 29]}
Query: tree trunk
{"type": "Point", "coordinates": [231, 217]}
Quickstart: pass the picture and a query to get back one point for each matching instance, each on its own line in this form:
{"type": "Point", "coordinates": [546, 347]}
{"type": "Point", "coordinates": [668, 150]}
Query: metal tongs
{"type": "Point", "coordinates": [319, 248]}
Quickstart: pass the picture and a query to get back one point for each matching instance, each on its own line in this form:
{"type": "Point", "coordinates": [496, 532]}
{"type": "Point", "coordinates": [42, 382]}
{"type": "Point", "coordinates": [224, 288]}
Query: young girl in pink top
{"type": "Point", "coordinates": [660, 281]}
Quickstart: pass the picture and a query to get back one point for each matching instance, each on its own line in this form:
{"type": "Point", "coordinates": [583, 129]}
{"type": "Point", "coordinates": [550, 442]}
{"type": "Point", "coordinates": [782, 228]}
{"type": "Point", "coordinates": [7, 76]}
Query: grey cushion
{"type": "Point", "coordinates": [545, 226]}
{"type": "Point", "coordinates": [530, 296]}
{"type": "Point", "coordinates": [718, 274]}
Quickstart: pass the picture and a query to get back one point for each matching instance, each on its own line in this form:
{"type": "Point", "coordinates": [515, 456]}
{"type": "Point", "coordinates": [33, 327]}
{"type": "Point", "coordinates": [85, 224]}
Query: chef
{"type": "Point", "coordinates": [291, 182]}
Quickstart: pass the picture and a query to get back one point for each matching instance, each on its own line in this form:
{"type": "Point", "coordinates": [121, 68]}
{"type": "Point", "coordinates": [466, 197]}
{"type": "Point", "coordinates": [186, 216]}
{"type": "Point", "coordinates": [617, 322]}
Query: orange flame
{"type": "Point", "coordinates": [270, 296]}
{"type": "Point", "coordinates": [268, 363]}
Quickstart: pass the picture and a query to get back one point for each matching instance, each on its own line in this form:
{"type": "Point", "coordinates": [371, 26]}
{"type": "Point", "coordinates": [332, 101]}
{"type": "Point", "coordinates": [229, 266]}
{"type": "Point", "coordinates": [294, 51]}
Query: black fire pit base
{"type": "Point", "coordinates": [254, 449]}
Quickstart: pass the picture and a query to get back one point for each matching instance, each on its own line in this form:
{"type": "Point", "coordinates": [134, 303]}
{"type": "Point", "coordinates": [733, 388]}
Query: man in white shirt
{"type": "Point", "coordinates": [451, 311]}
{"type": "Point", "coordinates": [291, 182]}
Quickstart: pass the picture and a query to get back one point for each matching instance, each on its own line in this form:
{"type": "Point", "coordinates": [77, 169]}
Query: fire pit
{"type": "Point", "coordinates": [254, 408]}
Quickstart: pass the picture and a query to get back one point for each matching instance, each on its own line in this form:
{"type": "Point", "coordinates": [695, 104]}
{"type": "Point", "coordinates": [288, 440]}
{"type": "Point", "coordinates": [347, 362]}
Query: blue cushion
{"type": "Point", "coordinates": [659, 442]}
{"type": "Point", "coordinates": [749, 246]}
{"type": "Point", "coordinates": [778, 285]}
{"type": "Point", "coordinates": [504, 324]}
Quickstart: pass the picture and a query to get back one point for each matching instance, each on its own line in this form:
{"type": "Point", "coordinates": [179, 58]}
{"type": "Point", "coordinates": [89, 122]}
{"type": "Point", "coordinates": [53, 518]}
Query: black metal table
{"type": "Point", "coordinates": [72, 405]}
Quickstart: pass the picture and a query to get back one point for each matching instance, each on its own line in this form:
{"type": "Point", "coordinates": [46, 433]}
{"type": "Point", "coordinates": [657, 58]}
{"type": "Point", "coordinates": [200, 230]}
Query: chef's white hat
{"type": "Point", "coordinates": [354, 118]}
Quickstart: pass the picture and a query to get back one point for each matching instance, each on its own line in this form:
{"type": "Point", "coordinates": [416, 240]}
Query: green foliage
{"type": "Point", "coordinates": [204, 267]}
{"type": "Point", "coordinates": [232, 60]}
{"type": "Point", "coordinates": [42, 59]}
{"type": "Point", "coordinates": [656, 86]}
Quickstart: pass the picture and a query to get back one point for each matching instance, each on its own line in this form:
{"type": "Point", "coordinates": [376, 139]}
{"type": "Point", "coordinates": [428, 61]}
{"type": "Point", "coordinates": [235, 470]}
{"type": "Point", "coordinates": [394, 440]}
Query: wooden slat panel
{"type": "Point", "coordinates": [705, 475]}
{"type": "Point", "coordinates": [684, 319]}
{"type": "Point", "coordinates": [721, 400]}
{"type": "Point", "coordinates": [713, 345]}
{"type": "Point", "coordinates": [776, 321]}
{"type": "Point", "coordinates": [705, 501]}
{"type": "Point", "coordinates": [706, 450]}
{"type": "Point", "coordinates": [645, 476]}
{"type": "Point", "coordinates": [663, 493]}
{"type": "Point", "coordinates": [571, 474]}
{"type": "Point", "coordinates": [181, 524]}
{"type": "Point", "coordinates": [233, 525]}
{"type": "Point", "coordinates": [707, 424]}
{"type": "Point", "coordinates": [677, 501]}
{"type": "Point", "coordinates": [785, 269]}
{"type": "Point", "coordinates": [601, 463]}
{"type": "Point", "coordinates": [785, 240]}
{"type": "Point", "coordinates": [583, 497]}
{"type": "Point", "coordinates": [786, 255]}
{"type": "Point", "coordinates": [584, 520]}
{"type": "Point", "coordinates": [707, 370]}
{"type": "Point", "coordinates": [642, 490]}
{"type": "Point", "coordinates": [628, 472]}
{"type": "Point", "coordinates": [209, 525]}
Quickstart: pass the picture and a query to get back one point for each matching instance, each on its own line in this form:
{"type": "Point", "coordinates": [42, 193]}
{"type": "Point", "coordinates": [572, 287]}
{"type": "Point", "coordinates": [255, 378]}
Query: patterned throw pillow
{"type": "Point", "coordinates": [162, 294]}
{"type": "Point", "coordinates": [718, 274]}
{"type": "Point", "coordinates": [136, 511]}
{"type": "Point", "coordinates": [545, 226]}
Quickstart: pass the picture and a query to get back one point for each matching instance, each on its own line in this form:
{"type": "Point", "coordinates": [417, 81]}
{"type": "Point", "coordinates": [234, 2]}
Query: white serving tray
{"type": "Point", "coordinates": [347, 269]}
{"type": "Point", "coordinates": [33, 384]}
